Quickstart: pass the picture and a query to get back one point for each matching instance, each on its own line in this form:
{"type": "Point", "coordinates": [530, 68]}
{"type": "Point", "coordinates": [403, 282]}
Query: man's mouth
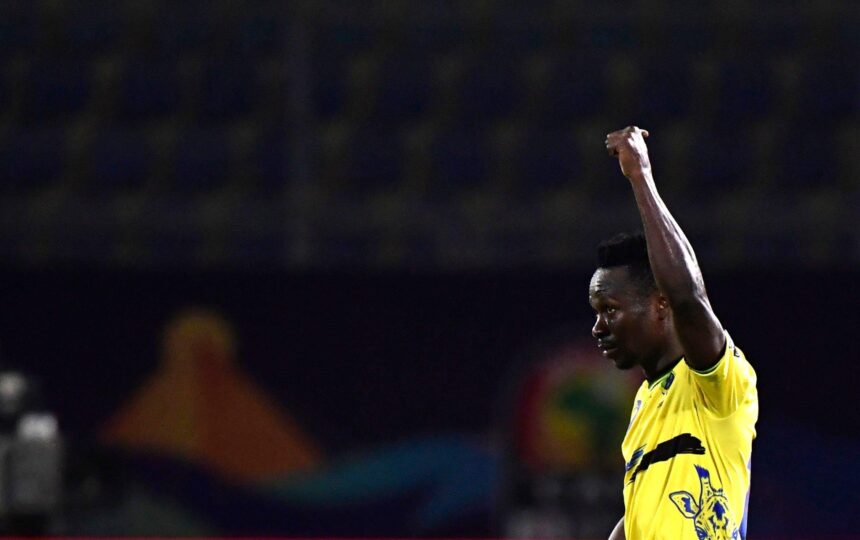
{"type": "Point", "coordinates": [607, 348]}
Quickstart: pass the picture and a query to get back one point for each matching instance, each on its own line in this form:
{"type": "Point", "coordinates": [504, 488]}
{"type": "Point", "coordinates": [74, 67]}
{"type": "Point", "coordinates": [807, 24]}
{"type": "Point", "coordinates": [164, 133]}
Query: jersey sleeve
{"type": "Point", "coordinates": [726, 385]}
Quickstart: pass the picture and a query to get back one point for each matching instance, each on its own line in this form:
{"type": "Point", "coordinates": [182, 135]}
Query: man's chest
{"type": "Point", "coordinates": [661, 416]}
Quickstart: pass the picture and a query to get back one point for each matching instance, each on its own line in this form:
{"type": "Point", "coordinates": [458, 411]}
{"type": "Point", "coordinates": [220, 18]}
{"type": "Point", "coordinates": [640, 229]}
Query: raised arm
{"type": "Point", "coordinates": [672, 258]}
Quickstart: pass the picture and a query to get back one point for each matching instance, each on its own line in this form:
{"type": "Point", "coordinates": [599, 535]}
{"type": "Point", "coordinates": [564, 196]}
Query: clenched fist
{"type": "Point", "coordinates": [629, 145]}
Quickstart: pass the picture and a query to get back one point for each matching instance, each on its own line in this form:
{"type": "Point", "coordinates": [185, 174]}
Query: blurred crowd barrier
{"type": "Point", "coordinates": [399, 405]}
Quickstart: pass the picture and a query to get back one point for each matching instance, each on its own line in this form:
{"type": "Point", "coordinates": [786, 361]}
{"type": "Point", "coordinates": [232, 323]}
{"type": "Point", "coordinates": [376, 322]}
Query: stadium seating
{"type": "Point", "coordinates": [18, 30]}
{"type": "Point", "coordinates": [482, 98]}
{"type": "Point", "coordinates": [550, 160]}
{"type": "Point", "coordinates": [746, 91]}
{"type": "Point", "coordinates": [228, 89]}
{"type": "Point", "coordinates": [121, 161]}
{"type": "Point", "coordinates": [436, 100]}
{"type": "Point", "coordinates": [55, 90]}
{"type": "Point", "coordinates": [831, 90]}
{"type": "Point", "coordinates": [85, 32]}
{"type": "Point", "coordinates": [202, 162]}
{"type": "Point", "coordinates": [404, 89]}
{"type": "Point", "coordinates": [271, 162]}
{"type": "Point", "coordinates": [461, 161]}
{"type": "Point", "coordinates": [149, 90]}
{"type": "Point", "coordinates": [575, 90]}
{"type": "Point", "coordinates": [32, 159]}
{"type": "Point", "coordinates": [664, 91]}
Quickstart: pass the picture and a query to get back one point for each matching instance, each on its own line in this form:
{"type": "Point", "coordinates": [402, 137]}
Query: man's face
{"type": "Point", "coordinates": [628, 326]}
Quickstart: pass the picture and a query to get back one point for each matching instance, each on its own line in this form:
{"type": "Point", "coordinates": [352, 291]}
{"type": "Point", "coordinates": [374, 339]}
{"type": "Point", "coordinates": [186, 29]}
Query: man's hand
{"type": "Point", "coordinates": [629, 145]}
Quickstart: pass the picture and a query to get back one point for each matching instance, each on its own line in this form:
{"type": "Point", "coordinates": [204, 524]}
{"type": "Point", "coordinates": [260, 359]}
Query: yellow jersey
{"type": "Point", "coordinates": [687, 452]}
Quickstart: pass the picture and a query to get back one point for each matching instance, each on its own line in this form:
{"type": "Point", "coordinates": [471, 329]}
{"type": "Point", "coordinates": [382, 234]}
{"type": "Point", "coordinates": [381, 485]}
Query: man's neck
{"type": "Point", "coordinates": [663, 361]}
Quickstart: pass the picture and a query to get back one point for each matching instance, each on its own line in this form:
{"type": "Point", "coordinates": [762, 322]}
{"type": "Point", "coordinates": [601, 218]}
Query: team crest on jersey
{"type": "Point", "coordinates": [709, 512]}
{"type": "Point", "coordinates": [668, 382]}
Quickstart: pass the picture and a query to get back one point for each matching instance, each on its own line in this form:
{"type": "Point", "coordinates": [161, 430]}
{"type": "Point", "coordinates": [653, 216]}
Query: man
{"type": "Point", "coordinates": [687, 448]}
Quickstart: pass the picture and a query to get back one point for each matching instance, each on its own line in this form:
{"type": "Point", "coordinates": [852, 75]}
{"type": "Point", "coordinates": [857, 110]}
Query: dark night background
{"type": "Point", "coordinates": [390, 203]}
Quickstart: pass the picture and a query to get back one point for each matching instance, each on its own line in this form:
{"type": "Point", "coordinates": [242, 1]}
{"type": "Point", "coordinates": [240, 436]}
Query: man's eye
{"type": "Point", "coordinates": [611, 309]}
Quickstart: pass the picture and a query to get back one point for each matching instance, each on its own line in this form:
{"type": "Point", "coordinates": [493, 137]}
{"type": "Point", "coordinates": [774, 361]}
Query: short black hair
{"type": "Point", "coordinates": [629, 249]}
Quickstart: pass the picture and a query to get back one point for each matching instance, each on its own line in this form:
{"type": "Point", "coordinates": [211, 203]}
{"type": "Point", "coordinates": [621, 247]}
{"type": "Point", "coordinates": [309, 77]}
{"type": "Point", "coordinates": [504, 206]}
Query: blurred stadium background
{"type": "Point", "coordinates": [311, 268]}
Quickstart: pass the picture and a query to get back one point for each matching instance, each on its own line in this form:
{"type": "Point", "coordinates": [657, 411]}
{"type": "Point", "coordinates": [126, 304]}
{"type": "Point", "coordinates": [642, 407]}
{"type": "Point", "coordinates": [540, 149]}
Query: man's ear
{"type": "Point", "coordinates": [663, 309]}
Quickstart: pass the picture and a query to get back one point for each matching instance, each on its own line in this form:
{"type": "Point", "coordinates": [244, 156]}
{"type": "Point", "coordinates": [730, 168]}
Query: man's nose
{"type": "Point", "coordinates": [599, 329]}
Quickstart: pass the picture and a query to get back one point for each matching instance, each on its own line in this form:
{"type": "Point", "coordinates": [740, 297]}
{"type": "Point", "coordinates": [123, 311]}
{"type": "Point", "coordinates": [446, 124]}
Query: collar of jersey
{"type": "Point", "coordinates": [662, 377]}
